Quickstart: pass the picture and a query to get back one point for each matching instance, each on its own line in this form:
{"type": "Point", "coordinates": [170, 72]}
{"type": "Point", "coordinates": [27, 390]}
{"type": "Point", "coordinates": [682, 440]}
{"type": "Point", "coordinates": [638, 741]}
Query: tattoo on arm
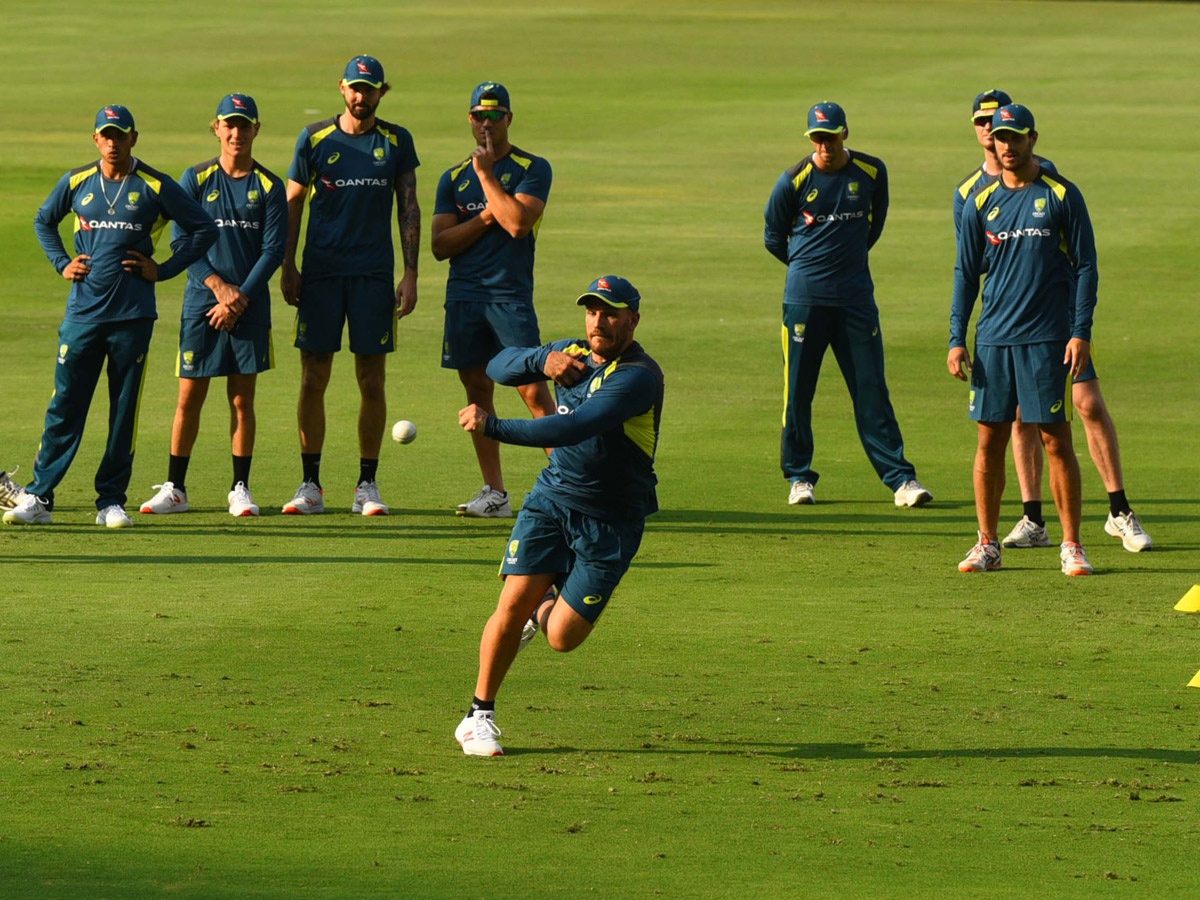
{"type": "Point", "coordinates": [409, 218]}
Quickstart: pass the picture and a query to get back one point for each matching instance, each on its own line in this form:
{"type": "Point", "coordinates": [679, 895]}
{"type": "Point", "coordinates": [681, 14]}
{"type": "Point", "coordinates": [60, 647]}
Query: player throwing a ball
{"type": "Point", "coordinates": [582, 523]}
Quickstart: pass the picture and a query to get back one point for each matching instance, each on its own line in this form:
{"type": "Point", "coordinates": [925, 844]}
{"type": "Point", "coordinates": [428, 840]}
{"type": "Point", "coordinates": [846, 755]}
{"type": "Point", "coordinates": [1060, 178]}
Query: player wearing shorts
{"type": "Point", "coordinates": [1029, 231]}
{"type": "Point", "coordinates": [489, 208]}
{"type": "Point", "coordinates": [349, 166]}
{"type": "Point", "coordinates": [120, 206]}
{"type": "Point", "coordinates": [1030, 531]}
{"type": "Point", "coordinates": [225, 329]}
{"type": "Point", "coordinates": [824, 215]}
{"type": "Point", "coordinates": [581, 525]}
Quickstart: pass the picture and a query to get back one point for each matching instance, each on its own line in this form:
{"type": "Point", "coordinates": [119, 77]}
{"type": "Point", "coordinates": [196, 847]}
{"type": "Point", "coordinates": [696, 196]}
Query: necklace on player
{"type": "Point", "coordinates": [112, 204]}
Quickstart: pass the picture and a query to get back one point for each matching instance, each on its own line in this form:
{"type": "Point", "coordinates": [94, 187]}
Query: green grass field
{"type": "Point", "coordinates": [800, 700]}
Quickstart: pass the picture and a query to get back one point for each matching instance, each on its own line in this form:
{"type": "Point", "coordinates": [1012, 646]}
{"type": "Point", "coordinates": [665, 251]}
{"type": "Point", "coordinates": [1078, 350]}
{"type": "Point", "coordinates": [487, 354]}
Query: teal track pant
{"type": "Point", "coordinates": [84, 352]}
{"type": "Point", "coordinates": [853, 333]}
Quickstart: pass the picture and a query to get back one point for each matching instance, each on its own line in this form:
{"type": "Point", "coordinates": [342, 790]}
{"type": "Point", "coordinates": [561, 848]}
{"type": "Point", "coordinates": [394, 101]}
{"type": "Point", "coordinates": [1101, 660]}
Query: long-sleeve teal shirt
{"type": "Point", "coordinates": [605, 433]}
{"type": "Point", "coordinates": [142, 205]}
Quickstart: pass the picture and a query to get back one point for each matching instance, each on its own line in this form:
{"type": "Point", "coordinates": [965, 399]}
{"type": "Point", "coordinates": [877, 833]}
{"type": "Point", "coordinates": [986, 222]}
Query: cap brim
{"type": "Point", "coordinates": [613, 303]}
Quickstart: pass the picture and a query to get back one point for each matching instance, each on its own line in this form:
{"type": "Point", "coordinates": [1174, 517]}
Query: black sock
{"type": "Point", "coordinates": [367, 469]}
{"type": "Point", "coordinates": [241, 471]}
{"type": "Point", "coordinates": [1117, 504]}
{"type": "Point", "coordinates": [1033, 512]}
{"type": "Point", "coordinates": [485, 705]}
{"type": "Point", "coordinates": [177, 471]}
{"type": "Point", "coordinates": [312, 467]}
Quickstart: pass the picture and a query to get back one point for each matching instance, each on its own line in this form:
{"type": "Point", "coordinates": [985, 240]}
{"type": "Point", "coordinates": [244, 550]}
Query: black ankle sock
{"type": "Point", "coordinates": [177, 471]}
{"type": "Point", "coordinates": [485, 705]}
{"type": "Point", "coordinates": [312, 467]}
{"type": "Point", "coordinates": [1033, 512]}
{"type": "Point", "coordinates": [367, 469]}
{"type": "Point", "coordinates": [1117, 504]}
{"type": "Point", "coordinates": [241, 471]}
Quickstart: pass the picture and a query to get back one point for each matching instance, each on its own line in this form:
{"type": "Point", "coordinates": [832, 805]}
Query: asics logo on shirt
{"type": "Point", "coordinates": [996, 239]}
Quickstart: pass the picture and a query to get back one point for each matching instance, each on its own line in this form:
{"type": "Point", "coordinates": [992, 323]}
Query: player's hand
{"type": "Point", "coordinates": [78, 268]}
{"type": "Point", "coordinates": [1078, 353]}
{"type": "Point", "coordinates": [483, 158]}
{"type": "Point", "coordinates": [406, 294]}
{"type": "Point", "coordinates": [564, 369]}
{"type": "Point", "coordinates": [291, 284]}
{"type": "Point", "coordinates": [959, 362]}
{"type": "Point", "coordinates": [222, 317]}
{"type": "Point", "coordinates": [141, 265]}
{"type": "Point", "coordinates": [473, 418]}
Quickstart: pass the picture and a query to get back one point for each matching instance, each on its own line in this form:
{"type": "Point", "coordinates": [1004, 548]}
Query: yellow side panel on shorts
{"type": "Point", "coordinates": [786, 385]}
{"type": "Point", "coordinates": [1059, 191]}
{"type": "Point", "coordinates": [203, 176]}
{"type": "Point", "coordinates": [640, 430]}
{"type": "Point", "coordinates": [78, 178]}
{"type": "Point", "coordinates": [321, 135]}
{"type": "Point", "coordinates": [868, 168]}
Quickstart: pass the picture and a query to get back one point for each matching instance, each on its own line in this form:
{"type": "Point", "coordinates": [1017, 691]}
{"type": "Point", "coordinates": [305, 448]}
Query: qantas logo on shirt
{"type": "Point", "coordinates": [996, 239]}
{"type": "Point", "coordinates": [810, 219]}
{"type": "Point", "coordinates": [333, 184]}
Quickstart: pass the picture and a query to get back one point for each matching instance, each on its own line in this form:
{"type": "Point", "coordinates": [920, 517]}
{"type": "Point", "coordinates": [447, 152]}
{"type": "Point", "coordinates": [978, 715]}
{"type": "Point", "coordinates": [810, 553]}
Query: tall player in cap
{"type": "Point", "coordinates": [1030, 531]}
{"type": "Point", "coordinates": [582, 523]}
{"type": "Point", "coordinates": [350, 166]}
{"type": "Point", "coordinates": [489, 207]}
{"type": "Point", "coordinates": [120, 206]}
{"type": "Point", "coordinates": [1029, 231]}
{"type": "Point", "coordinates": [225, 329]}
{"type": "Point", "coordinates": [824, 215]}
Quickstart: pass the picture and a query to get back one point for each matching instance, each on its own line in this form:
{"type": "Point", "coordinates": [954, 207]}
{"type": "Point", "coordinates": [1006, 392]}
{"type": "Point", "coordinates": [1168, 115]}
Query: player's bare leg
{"type": "Point", "coordinates": [539, 400]}
{"type": "Point", "coordinates": [989, 476]}
{"type": "Point", "coordinates": [1101, 433]}
{"type": "Point", "coordinates": [192, 394]}
{"type": "Point", "coordinates": [1064, 477]}
{"type": "Point", "coordinates": [243, 424]}
{"type": "Point", "coordinates": [481, 391]}
{"type": "Point", "coordinates": [371, 372]}
{"type": "Point", "coordinates": [502, 634]}
{"type": "Point", "coordinates": [315, 369]}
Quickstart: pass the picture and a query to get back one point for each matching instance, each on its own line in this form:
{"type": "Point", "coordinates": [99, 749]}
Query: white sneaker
{"type": "Point", "coordinates": [240, 501]}
{"type": "Point", "coordinates": [1074, 560]}
{"type": "Point", "coordinates": [167, 500]}
{"type": "Point", "coordinates": [984, 557]}
{"type": "Point", "coordinates": [113, 516]}
{"type": "Point", "coordinates": [367, 500]}
{"type": "Point", "coordinates": [801, 494]}
{"type": "Point", "coordinates": [1025, 534]}
{"type": "Point", "coordinates": [477, 735]}
{"type": "Point", "coordinates": [487, 504]}
{"type": "Point", "coordinates": [309, 500]}
{"type": "Point", "coordinates": [912, 494]}
{"type": "Point", "coordinates": [32, 510]}
{"type": "Point", "coordinates": [11, 493]}
{"type": "Point", "coordinates": [1129, 530]}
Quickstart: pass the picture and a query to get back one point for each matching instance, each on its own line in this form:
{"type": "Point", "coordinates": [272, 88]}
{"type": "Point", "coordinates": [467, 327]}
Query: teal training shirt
{"type": "Point", "coordinates": [250, 213]}
{"type": "Point", "coordinates": [351, 180]}
{"type": "Point", "coordinates": [497, 267]}
{"type": "Point", "coordinates": [604, 436]}
{"type": "Point", "coordinates": [822, 225]}
{"type": "Point", "coordinates": [1038, 250]}
{"type": "Point", "coordinates": [147, 200]}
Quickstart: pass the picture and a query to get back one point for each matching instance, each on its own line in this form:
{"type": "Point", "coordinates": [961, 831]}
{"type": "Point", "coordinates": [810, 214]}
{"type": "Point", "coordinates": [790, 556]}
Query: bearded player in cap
{"type": "Point", "coordinates": [823, 217]}
{"type": "Point", "coordinates": [1030, 232]}
{"type": "Point", "coordinates": [120, 206]}
{"type": "Point", "coordinates": [1086, 397]}
{"type": "Point", "coordinates": [225, 329]}
{"type": "Point", "coordinates": [349, 166]}
{"type": "Point", "coordinates": [489, 207]}
{"type": "Point", "coordinates": [582, 523]}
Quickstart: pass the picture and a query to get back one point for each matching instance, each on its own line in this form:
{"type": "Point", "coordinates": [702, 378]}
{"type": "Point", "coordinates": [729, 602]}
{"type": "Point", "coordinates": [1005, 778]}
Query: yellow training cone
{"type": "Point", "coordinates": [1190, 601]}
{"type": "Point", "coordinates": [1195, 682]}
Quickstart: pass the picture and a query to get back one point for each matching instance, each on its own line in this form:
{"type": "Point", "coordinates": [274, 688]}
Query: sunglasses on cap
{"type": "Point", "coordinates": [494, 115]}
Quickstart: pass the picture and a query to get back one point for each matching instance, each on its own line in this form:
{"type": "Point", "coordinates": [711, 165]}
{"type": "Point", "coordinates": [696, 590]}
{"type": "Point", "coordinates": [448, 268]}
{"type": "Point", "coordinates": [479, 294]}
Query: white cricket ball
{"type": "Point", "coordinates": [404, 431]}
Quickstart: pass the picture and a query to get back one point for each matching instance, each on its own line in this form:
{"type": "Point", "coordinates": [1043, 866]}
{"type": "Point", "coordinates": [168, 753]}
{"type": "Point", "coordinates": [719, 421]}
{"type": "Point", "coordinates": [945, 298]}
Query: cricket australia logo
{"type": "Point", "coordinates": [511, 559]}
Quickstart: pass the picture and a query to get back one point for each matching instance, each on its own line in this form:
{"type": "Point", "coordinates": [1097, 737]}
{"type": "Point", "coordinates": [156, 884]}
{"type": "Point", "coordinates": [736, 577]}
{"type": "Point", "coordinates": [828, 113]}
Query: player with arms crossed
{"type": "Point", "coordinates": [120, 206]}
{"type": "Point", "coordinates": [824, 215]}
{"type": "Point", "coordinates": [1085, 391]}
{"type": "Point", "coordinates": [225, 329]}
{"type": "Point", "coordinates": [486, 222]}
{"type": "Point", "coordinates": [1030, 232]}
{"type": "Point", "coordinates": [583, 520]}
{"type": "Point", "coordinates": [349, 166]}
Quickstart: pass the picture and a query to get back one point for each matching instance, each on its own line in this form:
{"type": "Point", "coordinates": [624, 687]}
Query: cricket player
{"type": "Point", "coordinates": [489, 208]}
{"type": "Point", "coordinates": [1030, 531]}
{"type": "Point", "coordinates": [349, 166]}
{"type": "Point", "coordinates": [824, 215]}
{"type": "Point", "coordinates": [582, 523]}
{"type": "Point", "coordinates": [120, 206]}
{"type": "Point", "coordinates": [1030, 232]}
{"type": "Point", "coordinates": [225, 329]}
